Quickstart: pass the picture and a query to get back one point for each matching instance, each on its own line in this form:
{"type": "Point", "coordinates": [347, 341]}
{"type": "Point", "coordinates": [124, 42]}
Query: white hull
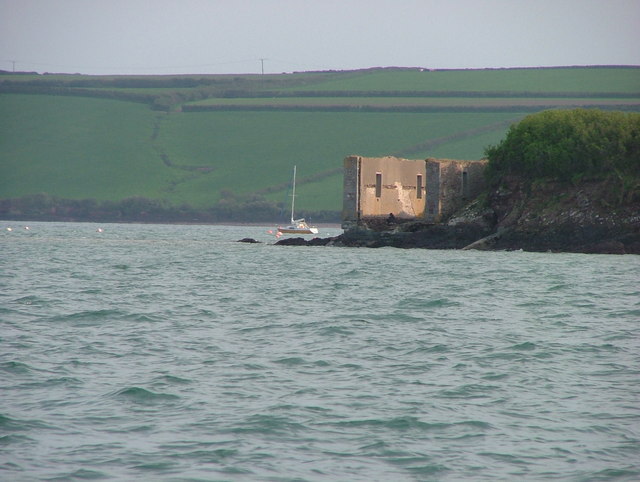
{"type": "Point", "coordinates": [296, 230]}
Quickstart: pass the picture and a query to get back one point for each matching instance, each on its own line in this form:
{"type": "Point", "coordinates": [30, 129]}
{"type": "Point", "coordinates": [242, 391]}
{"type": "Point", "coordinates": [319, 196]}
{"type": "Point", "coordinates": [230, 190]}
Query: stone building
{"type": "Point", "coordinates": [450, 185]}
{"type": "Point", "coordinates": [376, 188]}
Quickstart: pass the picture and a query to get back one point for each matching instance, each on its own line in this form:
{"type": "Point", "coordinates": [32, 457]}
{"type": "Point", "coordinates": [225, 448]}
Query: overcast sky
{"type": "Point", "coordinates": [231, 36]}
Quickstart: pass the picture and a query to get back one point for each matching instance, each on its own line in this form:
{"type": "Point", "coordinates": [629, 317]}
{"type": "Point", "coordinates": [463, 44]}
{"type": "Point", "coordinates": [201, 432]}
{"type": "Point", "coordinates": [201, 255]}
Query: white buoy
{"type": "Point", "coordinates": [27, 228]}
{"type": "Point", "coordinates": [9, 229]}
{"type": "Point", "coordinates": [99, 230]}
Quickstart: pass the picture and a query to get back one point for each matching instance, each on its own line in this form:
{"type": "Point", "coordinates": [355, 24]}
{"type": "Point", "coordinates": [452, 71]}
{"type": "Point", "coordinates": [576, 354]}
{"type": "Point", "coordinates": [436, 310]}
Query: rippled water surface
{"type": "Point", "coordinates": [173, 353]}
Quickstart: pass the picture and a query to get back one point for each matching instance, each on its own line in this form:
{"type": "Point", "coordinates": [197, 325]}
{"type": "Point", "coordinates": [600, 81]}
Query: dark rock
{"type": "Point", "coordinates": [632, 247]}
{"type": "Point", "coordinates": [292, 242]}
{"type": "Point", "coordinates": [605, 247]}
{"type": "Point", "coordinates": [248, 240]}
{"type": "Point", "coordinates": [550, 216]}
{"type": "Point", "coordinates": [415, 235]}
{"type": "Point", "coordinates": [319, 241]}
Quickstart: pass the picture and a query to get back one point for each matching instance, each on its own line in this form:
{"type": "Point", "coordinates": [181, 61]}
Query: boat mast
{"type": "Point", "coordinates": [293, 193]}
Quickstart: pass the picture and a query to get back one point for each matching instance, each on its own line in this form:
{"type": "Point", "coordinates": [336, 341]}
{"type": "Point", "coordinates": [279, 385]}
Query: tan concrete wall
{"type": "Point", "coordinates": [446, 186]}
{"type": "Point", "coordinates": [399, 187]}
{"type": "Point", "coordinates": [459, 181]}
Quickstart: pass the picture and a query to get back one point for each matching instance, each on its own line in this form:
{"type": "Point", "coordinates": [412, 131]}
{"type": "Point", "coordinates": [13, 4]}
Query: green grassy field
{"type": "Point", "coordinates": [623, 80]}
{"type": "Point", "coordinates": [74, 146]}
{"type": "Point", "coordinates": [77, 148]}
{"type": "Point", "coordinates": [250, 153]}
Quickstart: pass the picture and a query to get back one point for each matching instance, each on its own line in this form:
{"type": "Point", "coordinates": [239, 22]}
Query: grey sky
{"type": "Point", "coordinates": [231, 36]}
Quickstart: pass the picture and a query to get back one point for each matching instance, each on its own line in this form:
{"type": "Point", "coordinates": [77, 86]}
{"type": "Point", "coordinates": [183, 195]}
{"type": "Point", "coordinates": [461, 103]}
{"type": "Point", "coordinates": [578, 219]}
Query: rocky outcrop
{"type": "Point", "coordinates": [587, 217]}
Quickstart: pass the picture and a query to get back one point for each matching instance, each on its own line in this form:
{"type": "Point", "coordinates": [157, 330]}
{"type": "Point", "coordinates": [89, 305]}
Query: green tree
{"type": "Point", "coordinates": [569, 144]}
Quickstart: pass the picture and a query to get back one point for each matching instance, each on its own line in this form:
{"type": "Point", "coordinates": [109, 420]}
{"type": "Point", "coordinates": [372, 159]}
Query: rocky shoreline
{"type": "Point", "coordinates": [589, 217]}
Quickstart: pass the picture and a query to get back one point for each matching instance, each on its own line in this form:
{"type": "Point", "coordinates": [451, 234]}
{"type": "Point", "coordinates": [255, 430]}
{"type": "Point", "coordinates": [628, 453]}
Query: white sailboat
{"type": "Point", "coordinates": [297, 226]}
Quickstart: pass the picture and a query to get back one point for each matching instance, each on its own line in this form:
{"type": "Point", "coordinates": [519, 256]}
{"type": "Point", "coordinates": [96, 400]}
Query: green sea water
{"type": "Point", "coordinates": [151, 352]}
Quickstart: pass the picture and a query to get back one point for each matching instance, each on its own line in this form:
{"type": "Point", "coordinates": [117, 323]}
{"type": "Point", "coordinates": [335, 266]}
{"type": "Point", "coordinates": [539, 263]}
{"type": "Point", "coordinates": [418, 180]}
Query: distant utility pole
{"type": "Point", "coordinates": [262, 65]}
{"type": "Point", "coordinates": [14, 65]}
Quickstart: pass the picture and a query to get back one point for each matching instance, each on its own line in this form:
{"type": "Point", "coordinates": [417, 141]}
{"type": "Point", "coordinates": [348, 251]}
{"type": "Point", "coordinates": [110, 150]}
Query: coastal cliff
{"type": "Point", "coordinates": [560, 181]}
{"type": "Point", "coordinates": [585, 217]}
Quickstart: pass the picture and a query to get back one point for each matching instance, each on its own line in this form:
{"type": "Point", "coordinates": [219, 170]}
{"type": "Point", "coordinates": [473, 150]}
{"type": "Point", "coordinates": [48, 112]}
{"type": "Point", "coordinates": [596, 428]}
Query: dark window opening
{"type": "Point", "coordinates": [419, 187]}
{"type": "Point", "coordinates": [378, 184]}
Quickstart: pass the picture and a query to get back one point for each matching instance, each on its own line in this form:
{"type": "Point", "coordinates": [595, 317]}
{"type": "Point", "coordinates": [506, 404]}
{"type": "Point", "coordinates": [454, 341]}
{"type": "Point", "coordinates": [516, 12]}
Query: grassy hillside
{"type": "Point", "coordinates": [77, 147]}
{"type": "Point", "coordinates": [543, 80]}
{"type": "Point", "coordinates": [111, 138]}
{"type": "Point", "coordinates": [251, 153]}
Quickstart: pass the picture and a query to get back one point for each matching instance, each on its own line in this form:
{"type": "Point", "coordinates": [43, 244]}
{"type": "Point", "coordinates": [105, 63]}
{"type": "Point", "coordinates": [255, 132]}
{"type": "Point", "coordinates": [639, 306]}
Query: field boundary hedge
{"type": "Point", "coordinates": [402, 108]}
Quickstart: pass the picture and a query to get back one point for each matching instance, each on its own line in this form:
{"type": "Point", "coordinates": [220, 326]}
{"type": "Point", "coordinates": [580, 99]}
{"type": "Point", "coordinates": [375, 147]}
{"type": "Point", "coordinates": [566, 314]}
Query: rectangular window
{"type": "Point", "coordinates": [465, 184]}
{"type": "Point", "coordinates": [419, 187]}
{"type": "Point", "coordinates": [378, 184]}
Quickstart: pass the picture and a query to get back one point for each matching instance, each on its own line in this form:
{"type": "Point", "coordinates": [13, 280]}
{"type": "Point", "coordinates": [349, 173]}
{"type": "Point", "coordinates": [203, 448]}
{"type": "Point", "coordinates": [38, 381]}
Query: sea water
{"type": "Point", "coordinates": [155, 352]}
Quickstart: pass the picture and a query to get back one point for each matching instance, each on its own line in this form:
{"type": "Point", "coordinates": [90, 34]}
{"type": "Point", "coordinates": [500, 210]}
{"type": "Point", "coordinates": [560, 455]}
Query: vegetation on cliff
{"type": "Point", "coordinates": [567, 181]}
{"type": "Point", "coordinates": [570, 145]}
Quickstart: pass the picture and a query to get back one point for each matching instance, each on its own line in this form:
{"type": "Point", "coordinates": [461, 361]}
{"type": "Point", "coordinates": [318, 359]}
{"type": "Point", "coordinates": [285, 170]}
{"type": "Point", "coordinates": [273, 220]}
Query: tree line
{"type": "Point", "coordinates": [229, 208]}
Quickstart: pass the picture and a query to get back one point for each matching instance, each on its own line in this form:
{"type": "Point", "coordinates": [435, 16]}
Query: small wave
{"type": "Point", "coordinates": [407, 459]}
{"type": "Point", "coordinates": [156, 466]}
{"type": "Point", "coordinates": [605, 347]}
{"type": "Point", "coordinates": [171, 380]}
{"type": "Point", "coordinates": [14, 439]}
{"type": "Point", "coordinates": [50, 383]}
{"type": "Point", "coordinates": [144, 318]}
{"type": "Point", "coordinates": [83, 474]}
{"type": "Point", "coordinates": [17, 425]}
{"type": "Point", "coordinates": [557, 287]}
{"type": "Point", "coordinates": [397, 423]}
{"type": "Point", "coordinates": [16, 368]}
{"type": "Point", "coordinates": [335, 330]}
{"type": "Point", "coordinates": [495, 376]}
{"type": "Point", "coordinates": [418, 305]}
{"type": "Point", "coordinates": [526, 346]}
{"type": "Point", "coordinates": [87, 318]}
{"type": "Point", "coordinates": [291, 361]}
{"type": "Point", "coordinates": [430, 470]}
{"type": "Point", "coordinates": [431, 349]}
{"type": "Point", "coordinates": [268, 424]}
{"type": "Point", "coordinates": [610, 474]}
{"type": "Point", "coordinates": [31, 300]}
{"type": "Point", "coordinates": [210, 456]}
{"type": "Point", "coordinates": [468, 391]}
{"type": "Point", "coordinates": [519, 415]}
{"type": "Point", "coordinates": [406, 424]}
{"type": "Point", "coordinates": [267, 328]}
{"type": "Point", "coordinates": [505, 356]}
{"type": "Point", "coordinates": [508, 458]}
{"type": "Point", "coordinates": [379, 447]}
{"type": "Point", "coordinates": [141, 395]}
{"type": "Point", "coordinates": [622, 335]}
{"type": "Point", "coordinates": [400, 316]}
